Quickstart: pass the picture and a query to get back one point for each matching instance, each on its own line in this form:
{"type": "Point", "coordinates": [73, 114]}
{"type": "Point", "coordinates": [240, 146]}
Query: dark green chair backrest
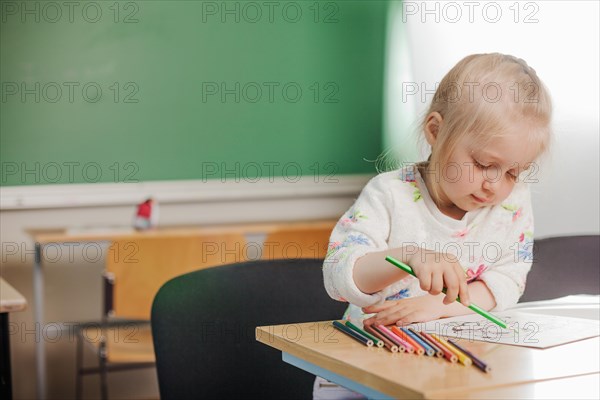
{"type": "Point", "coordinates": [203, 327]}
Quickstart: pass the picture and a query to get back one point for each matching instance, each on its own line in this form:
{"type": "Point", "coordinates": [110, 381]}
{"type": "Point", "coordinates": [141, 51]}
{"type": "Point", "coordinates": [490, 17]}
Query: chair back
{"type": "Point", "coordinates": [203, 324]}
{"type": "Point", "coordinates": [563, 266]}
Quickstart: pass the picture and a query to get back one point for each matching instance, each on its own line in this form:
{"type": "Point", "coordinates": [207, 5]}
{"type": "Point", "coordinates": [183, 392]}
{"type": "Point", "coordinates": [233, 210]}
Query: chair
{"type": "Point", "coordinates": [135, 270]}
{"type": "Point", "coordinates": [119, 344]}
{"type": "Point", "coordinates": [203, 324]}
{"type": "Point", "coordinates": [564, 266]}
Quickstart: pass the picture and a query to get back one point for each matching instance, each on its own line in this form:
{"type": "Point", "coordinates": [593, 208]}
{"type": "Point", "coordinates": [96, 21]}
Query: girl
{"type": "Point", "coordinates": [463, 218]}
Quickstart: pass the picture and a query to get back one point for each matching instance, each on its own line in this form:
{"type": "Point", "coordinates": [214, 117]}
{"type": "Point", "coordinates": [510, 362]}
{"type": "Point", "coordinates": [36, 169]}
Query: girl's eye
{"type": "Point", "coordinates": [479, 165]}
{"type": "Point", "coordinates": [512, 176]}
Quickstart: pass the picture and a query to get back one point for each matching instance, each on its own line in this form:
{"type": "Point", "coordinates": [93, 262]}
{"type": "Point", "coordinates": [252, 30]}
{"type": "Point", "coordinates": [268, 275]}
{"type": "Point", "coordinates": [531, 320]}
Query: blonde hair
{"type": "Point", "coordinates": [479, 97]}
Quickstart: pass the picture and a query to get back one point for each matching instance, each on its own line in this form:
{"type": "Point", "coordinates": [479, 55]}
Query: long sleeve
{"type": "Point", "coordinates": [493, 243]}
{"type": "Point", "coordinates": [364, 228]}
{"type": "Point", "coordinates": [507, 276]}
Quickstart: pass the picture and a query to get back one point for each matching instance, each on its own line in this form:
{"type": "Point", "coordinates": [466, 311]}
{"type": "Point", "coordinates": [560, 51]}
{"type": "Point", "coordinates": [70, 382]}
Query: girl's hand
{"type": "Point", "coordinates": [436, 271]}
{"type": "Point", "coordinates": [405, 311]}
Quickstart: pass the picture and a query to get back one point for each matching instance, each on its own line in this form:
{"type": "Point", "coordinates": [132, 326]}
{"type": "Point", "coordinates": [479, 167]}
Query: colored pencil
{"type": "Point", "coordinates": [418, 348]}
{"type": "Point", "coordinates": [472, 306]}
{"type": "Point", "coordinates": [430, 351]}
{"type": "Point", "coordinates": [476, 361]}
{"type": "Point", "coordinates": [376, 341]}
{"type": "Point", "coordinates": [363, 339]}
{"type": "Point", "coordinates": [437, 350]}
{"type": "Point", "coordinates": [461, 356]}
{"type": "Point", "coordinates": [396, 339]}
{"type": "Point", "coordinates": [387, 342]}
{"type": "Point", "coordinates": [450, 356]}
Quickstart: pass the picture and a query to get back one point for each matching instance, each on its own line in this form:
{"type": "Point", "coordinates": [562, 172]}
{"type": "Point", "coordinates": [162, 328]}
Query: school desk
{"type": "Point", "coordinates": [302, 233]}
{"type": "Point", "coordinates": [10, 301]}
{"type": "Point", "coordinates": [518, 372]}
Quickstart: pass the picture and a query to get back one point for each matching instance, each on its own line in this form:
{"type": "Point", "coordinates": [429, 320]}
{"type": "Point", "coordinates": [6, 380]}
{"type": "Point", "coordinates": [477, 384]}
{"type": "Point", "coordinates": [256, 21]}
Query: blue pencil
{"type": "Point", "coordinates": [438, 352]}
{"type": "Point", "coordinates": [430, 351]}
{"type": "Point", "coordinates": [364, 340]}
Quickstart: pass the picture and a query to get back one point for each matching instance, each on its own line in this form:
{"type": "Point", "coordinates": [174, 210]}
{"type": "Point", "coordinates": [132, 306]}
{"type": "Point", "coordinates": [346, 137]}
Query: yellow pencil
{"type": "Point", "coordinates": [462, 357]}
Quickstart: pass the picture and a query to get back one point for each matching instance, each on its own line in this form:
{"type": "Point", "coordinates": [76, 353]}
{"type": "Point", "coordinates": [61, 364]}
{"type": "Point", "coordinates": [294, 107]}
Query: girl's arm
{"type": "Point", "coordinates": [372, 273]}
{"type": "Point", "coordinates": [363, 229]}
{"type": "Point", "coordinates": [427, 307]}
{"type": "Point", "coordinates": [507, 276]}
{"type": "Point", "coordinates": [434, 270]}
{"type": "Point", "coordinates": [480, 295]}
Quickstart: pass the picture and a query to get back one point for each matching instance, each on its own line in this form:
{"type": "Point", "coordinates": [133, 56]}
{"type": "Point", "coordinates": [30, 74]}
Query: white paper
{"type": "Point", "coordinates": [525, 329]}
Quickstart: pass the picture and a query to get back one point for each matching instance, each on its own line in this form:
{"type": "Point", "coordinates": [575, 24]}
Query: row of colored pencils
{"type": "Point", "coordinates": [407, 340]}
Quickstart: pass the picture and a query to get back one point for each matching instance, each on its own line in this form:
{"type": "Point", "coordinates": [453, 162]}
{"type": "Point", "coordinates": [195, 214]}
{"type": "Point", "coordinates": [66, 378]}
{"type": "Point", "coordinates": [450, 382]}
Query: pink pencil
{"type": "Point", "coordinates": [420, 350]}
{"type": "Point", "coordinates": [395, 338]}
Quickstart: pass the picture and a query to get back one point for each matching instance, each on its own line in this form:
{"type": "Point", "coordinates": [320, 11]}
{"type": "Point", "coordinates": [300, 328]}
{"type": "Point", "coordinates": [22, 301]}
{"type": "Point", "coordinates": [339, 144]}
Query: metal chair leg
{"type": "Point", "coordinates": [103, 370]}
{"type": "Point", "coordinates": [78, 366]}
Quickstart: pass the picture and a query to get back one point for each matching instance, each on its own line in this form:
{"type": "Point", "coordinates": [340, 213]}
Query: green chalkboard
{"type": "Point", "coordinates": [131, 91]}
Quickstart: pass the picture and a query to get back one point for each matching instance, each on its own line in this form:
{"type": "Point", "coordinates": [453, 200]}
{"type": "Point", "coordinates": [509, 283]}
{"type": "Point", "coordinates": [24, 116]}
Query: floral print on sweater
{"type": "Point", "coordinates": [493, 244]}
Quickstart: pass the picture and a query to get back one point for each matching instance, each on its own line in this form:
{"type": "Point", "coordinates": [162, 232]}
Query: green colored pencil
{"type": "Point", "coordinates": [377, 342]}
{"type": "Point", "coordinates": [473, 307]}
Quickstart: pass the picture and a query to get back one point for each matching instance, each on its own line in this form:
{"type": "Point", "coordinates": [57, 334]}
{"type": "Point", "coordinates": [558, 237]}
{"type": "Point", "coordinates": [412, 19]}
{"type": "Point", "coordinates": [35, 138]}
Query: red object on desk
{"type": "Point", "coordinates": [147, 215]}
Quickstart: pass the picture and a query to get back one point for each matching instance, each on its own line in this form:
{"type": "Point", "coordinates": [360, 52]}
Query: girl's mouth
{"type": "Point", "coordinates": [479, 200]}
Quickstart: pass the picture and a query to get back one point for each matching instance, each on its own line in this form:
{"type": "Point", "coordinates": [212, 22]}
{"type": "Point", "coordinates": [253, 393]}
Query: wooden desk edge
{"type": "Point", "coordinates": [13, 307]}
{"type": "Point", "coordinates": [45, 236]}
{"type": "Point", "coordinates": [263, 335]}
{"type": "Point", "coordinates": [10, 299]}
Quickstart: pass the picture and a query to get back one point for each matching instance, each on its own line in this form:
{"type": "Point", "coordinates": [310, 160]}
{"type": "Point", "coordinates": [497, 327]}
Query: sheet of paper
{"type": "Point", "coordinates": [525, 329]}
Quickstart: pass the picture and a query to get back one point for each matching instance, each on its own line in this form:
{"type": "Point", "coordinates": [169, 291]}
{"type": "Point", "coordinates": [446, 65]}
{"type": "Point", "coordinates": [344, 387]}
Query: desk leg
{"type": "Point", "coordinates": [5, 374]}
{"type": "Point", "coordinates": [333, 377]}
{"type": "Point", "coordinates": [38, 317]}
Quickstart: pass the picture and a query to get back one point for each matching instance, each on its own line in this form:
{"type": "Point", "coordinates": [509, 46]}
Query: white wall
{"type": "Point", "coordinates": [560, 40]}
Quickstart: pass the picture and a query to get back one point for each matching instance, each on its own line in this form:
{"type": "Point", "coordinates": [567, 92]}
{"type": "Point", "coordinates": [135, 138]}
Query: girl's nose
{"type": "Point", "coordinates": [490, 184]}
{"type": "Point", "coordinates": [486, 185]}
{"type": "Point", "coordinates": [492, 178]}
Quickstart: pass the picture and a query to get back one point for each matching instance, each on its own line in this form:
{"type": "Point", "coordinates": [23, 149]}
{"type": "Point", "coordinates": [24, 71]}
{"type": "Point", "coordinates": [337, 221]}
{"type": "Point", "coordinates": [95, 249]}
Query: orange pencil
{"type": "Point", "coordinates": [418, 348]}
{"type": "Point", "coordinates": [394, 338]}
{"type": "Point", "coordinates": [450, 356]}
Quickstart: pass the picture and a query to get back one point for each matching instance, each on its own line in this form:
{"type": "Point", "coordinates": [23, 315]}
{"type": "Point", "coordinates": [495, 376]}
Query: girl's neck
{"type": "Point", "coordinates": [449, 210]}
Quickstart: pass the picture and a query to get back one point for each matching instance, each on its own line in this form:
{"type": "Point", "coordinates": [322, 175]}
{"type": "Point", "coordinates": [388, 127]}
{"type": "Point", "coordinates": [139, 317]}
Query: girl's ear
{"type": "Point", "coordinates": [433, 124]}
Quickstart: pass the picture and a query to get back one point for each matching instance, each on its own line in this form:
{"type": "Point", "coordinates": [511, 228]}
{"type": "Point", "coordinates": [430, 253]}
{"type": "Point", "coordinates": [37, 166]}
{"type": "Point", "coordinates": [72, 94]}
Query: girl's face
{"type": "Point", "coordinates": [482, 177]}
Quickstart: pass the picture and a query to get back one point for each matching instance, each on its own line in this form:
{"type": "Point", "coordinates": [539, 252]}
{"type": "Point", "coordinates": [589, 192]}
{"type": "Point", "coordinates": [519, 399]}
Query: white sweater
{"type": "Point", "coordinates": [493, 244]}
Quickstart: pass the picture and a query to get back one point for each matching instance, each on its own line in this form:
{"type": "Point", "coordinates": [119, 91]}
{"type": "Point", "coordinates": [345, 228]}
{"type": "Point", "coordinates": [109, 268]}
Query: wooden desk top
{"type": "Point", "coordinates": [10, 299]}
{"type": "Point", "coordinates": [60, 235]}
{"type": "Point", "coordinates": [577, 387]}
{"type": "Point", "coordinates": [410, 376]}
